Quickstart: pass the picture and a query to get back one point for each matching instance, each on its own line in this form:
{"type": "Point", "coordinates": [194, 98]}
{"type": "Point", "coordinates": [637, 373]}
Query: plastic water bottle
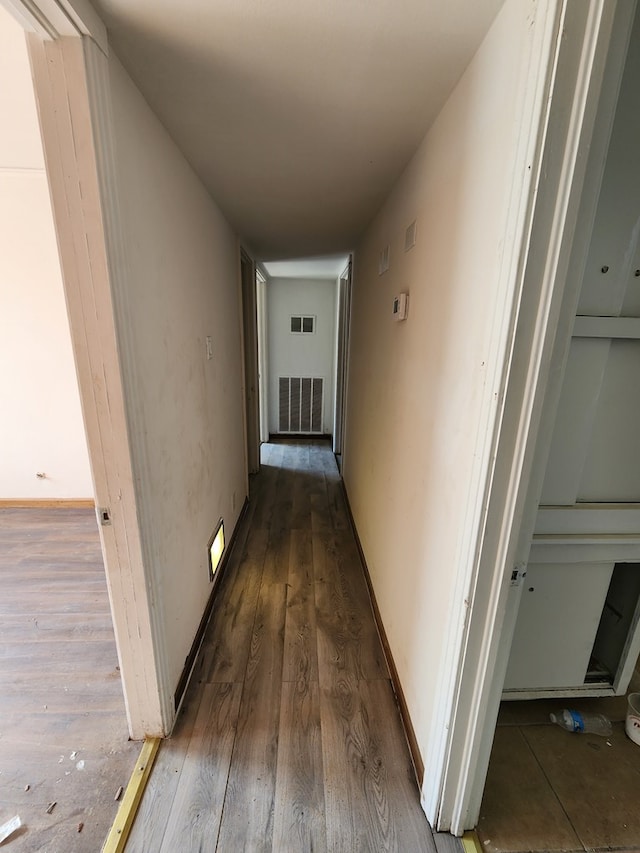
{"type": "Point", "coordinates": [574, 721]}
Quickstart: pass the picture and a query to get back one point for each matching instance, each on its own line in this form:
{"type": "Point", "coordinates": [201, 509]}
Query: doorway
{"type": "Point", "coordinates": [302, 304]}
{"type": "Point", "coordinates": [576, 634]}
{"type": "Point", "coordinates": [590, 46]}
{"type": "Point", "coordinates": [65, 728]}
{"type": "Point", "coordinates": [250, 343]}
{"type": "Point", "coordinates": [342, 360]}
{"type": "Point", "coordinates": [71, 83]}
{"type": "Point", "coordinates": [584, 551]}
{"type": "Point", "coordinates": [263, 356]}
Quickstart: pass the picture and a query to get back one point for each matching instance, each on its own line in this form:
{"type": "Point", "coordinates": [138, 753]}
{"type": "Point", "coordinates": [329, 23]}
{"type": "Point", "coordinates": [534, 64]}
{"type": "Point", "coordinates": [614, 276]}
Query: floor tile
{"type": "Point", "coordinates": [520, 811]}
{"type": "Point", "coordinates": [597, 784]}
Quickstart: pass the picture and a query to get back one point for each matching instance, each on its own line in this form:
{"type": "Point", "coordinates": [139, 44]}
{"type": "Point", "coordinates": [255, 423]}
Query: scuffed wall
{"type": "Point", "coordinates": [416, 387]}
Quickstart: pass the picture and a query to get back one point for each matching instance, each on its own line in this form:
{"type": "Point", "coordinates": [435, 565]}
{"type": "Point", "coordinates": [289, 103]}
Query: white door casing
{"type": "Point", "coordinates": [67, 47]}
{"type": "Point", "coordinates": [343, 326]}
{"type": "Point", "coordinates": [590, 499]}
{"type": "Point", "coordinates": [251, 381]}
{"type": "Point", "coordinates": [579, 53]}
{"type": "Point", "coordinates": [263, 359]}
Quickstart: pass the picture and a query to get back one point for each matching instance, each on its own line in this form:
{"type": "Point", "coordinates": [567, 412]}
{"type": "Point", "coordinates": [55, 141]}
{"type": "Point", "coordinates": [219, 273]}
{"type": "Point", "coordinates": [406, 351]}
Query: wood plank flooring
{"type": "Point", "coordinates": [290, 738]}
{"type": "Point", "coordinates": [63, 730]}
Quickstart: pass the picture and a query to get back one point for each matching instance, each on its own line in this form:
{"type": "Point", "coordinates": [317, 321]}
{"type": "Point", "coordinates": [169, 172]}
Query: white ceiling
{"type": "Point", "coordinates": [329, 266]}
{"type": "Point", "coordinates": [298, 115]}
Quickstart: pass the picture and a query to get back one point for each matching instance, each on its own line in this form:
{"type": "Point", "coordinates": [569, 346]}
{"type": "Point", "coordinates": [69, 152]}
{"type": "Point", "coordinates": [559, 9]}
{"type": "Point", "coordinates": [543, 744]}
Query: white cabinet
{"type": "Point", "coordinates": [557, 624]}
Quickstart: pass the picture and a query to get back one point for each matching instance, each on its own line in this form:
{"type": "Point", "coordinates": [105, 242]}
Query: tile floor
{"type": "Point", "coordinates": [550, 790]}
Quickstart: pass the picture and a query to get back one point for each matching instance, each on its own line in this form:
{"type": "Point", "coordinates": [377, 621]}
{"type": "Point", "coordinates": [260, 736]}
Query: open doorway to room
{"type": "Point", "coordinates": [302, 319]}
{"type": "Point", "coordinates": [251, 376]}
{"type": "Point", "coordinates": [342, 359]}
{"type": "Point", "coordinates": [577, 631]}
{"type": "Point", "coordinates": [64, 724]}
{"type": "Point", "coordinates": [263, 356]}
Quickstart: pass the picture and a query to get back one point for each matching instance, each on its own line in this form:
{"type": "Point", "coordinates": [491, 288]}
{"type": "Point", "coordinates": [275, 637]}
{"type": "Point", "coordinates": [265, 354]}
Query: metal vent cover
{"type": "Point", "coordinates": [300, 401]}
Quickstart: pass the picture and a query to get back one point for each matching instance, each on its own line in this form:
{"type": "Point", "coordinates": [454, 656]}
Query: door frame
{"type": "Point", "coordinates": [586, 45]}
{"type": "Point", "coordinates": [263, 356]}
{"type": "Point", "coordinates": [343, 330]}
{"type": "Point", "coordinates": [68, 50]}
{"type": "Point", "coordinates": [251, 382]}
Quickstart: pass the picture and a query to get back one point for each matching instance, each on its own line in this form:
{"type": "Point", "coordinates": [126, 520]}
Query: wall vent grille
{"type": "Point", "coordinates": [300, 404]}
{"type": "Point", "coordinates": [410, 236]}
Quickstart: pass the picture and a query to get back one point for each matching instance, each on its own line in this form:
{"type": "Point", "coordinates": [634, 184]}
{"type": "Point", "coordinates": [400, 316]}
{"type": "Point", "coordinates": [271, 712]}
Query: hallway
{"type": "Point", "coordinates": [290, 738]}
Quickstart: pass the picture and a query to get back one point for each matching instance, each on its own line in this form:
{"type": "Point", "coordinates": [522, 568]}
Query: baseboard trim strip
{"type": "Point", "coordinates": [412, 741]}
{"type": "Point", "coordinates": [47, 503]}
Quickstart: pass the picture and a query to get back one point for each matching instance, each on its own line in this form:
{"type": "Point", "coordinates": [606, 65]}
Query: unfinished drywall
{"type": "Point", "coordinates": [41, 429]}
{"type": "Point", "coordinates": [301, 355]}
{"type": "Point", "coordinates": [185, 410]}
{"type": "Point", "coordinates": [416, 387]}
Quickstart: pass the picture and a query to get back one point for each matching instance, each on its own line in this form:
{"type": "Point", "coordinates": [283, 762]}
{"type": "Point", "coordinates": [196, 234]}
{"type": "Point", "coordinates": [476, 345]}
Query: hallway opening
{"type": "Point", "coordinates": [303, 333]}
{"type": "Point", "coordinates": [290, 737]}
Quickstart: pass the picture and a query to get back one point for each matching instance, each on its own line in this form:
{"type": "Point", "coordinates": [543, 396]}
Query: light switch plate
{"type": "Point", "coordinates": [400, 306]}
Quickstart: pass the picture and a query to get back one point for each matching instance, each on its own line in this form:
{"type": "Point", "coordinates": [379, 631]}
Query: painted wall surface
{"type": "Point", "coordinates": [41, 427]}
{"type": "Point", "coordinates": [415, 387]}
{"type": "Point", "coordinates": [301, 354]}
{"type": "Point", "coordinates": [185, 411]}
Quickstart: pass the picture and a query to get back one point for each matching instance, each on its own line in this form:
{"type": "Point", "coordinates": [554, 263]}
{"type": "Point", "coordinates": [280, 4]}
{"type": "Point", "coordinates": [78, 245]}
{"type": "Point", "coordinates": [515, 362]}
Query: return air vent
{"type": "Point", "coordinates": [300, 404]}
{"type": "Point", "coordinates": [410, 236]}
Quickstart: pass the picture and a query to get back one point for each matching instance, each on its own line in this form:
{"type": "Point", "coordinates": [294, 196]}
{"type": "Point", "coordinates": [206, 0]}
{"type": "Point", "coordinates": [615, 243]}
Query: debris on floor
{"type": "Point", "coordinates": [9, 828]}
{"type": "Point", "coordinates": [118, 793]}
{"type": "Point", "coordinates": [51, 807]}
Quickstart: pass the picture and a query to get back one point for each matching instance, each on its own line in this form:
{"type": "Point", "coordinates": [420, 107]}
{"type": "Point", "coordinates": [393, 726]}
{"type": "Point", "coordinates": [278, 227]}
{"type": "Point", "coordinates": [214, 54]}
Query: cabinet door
{"type": "Point", "coordinates": [557, 624]}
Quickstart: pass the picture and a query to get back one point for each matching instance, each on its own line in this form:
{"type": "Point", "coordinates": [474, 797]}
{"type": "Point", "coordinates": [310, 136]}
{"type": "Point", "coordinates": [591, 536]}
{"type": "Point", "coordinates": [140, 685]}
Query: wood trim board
{"type": "Point", "coordinates": [47, 503]}
{"type": "Point", "coordinates": [275, 437]}
{"type": "Point", "coordinates": [412, 741]}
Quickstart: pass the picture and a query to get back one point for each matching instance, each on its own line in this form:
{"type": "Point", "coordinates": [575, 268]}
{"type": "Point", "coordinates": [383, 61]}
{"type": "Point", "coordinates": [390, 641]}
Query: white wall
{"type": "Point", "coordinates": [41, 426]}
{"type": "Point", "coordinates": [182, 285]}
{"type": "Point", "coordinates": [415, 388]}
{"type": "Point", "coordinates": [307, 354]}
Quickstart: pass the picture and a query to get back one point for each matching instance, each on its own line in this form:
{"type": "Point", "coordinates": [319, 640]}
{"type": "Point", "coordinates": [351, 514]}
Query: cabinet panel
{"type": "Point", "coordinates": [576, 410]}
{"type": "Point", "coordinates": [612, 464]}
{"type": "Point", "coordinates": [557, 624]}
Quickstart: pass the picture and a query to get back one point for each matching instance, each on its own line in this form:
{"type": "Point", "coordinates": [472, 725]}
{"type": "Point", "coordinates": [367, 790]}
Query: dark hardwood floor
{"type": "Point", "coordinates": [63, 731]}
{"type": "Point", "coordinates": [290, 738]}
